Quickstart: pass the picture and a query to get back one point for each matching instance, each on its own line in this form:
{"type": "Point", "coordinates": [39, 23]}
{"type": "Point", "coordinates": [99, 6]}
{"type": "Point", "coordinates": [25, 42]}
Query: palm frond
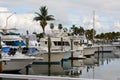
{"type": "Point", "coordinates": [37, 13]}
{"type": "Point", "coordinates": [36, 18]}
{"type": "Point", "coordinates": [44, 11]}
{"type": "Point", "coordinates": [50, 17]}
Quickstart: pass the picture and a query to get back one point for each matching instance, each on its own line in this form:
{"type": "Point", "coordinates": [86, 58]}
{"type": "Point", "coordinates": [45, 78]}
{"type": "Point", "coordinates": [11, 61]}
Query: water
{"type": "Point", "coordinates": [105, 67]}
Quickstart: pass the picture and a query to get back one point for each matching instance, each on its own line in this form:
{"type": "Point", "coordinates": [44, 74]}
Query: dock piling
{"type": "Point", "coordinates": [27, 39]}
{"type": "Point", "coordinates": [61, 44]}
{"type": "Point", "coordinates": [49, 55]}
{"type": "Point", "coordinates": [98, 55]}
{"type": "Point", "coordinates": [0, 55]}
{"type": "Point", "coordinates": [72, 52]}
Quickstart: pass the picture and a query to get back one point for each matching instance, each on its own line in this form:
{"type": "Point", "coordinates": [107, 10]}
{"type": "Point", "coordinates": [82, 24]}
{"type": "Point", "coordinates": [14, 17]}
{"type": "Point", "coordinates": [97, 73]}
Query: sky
{"type": "Point", "coordinates": [20, 14]}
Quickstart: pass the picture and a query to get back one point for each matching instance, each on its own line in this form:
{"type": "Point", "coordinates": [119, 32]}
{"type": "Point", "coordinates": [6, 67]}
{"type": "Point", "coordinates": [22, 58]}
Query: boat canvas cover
{"type": "Point", "coordinates": [32, 50]}
{"type": "Point", "coordinates": [5, 49]}
{"type": "Point", "coordinates": [17, 43]}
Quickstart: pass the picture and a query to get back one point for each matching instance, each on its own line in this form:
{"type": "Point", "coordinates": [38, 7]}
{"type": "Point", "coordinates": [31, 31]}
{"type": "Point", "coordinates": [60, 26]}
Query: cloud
{"type": "Point", "coordinates": [25, 22]}
{"type": "Point", "coordinates": [22, 22]}
{"type": "Point", "coordinates": [3, 9]}
{"type": "Point", "coordinates": [66, 12]}
{"type": "Point", "coordinates": [117, 24]}
{"type": "Point", "coordinates": [99, 26]}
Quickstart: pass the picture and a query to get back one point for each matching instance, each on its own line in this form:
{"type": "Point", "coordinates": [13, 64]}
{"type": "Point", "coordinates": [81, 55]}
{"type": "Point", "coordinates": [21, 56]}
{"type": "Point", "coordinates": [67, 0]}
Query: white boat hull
{"type": "Point", "coordinates": [107, 48]}
{"type": "Point", "coordinates": [78, 54]}
{"type": "Point", "coordinates": [54, 57]}
{"type": "Point", "coordinates": [15, 64]}
{"type": "Point", "coordinates": [89, 50]}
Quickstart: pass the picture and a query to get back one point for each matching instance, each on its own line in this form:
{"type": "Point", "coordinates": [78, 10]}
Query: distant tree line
{"type": "Point", "coordinates": [108, 35]}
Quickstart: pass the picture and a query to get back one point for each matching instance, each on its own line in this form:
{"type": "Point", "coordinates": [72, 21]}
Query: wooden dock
{"type": "Point", "coordinates": [38, 77]}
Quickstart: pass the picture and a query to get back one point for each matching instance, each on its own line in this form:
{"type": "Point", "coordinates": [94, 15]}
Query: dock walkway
{"type": "Point", "coordinates": [38, 77]}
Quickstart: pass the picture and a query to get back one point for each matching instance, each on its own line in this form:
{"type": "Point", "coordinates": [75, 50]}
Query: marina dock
{"type": "Point", "coordinates": [36, 77]}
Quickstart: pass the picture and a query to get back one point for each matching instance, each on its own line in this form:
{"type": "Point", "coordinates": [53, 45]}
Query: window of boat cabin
{"type": "Point", "coordinates": [66, 43]}
{"type": "Point", "coordinates": [10, 43]}
{"type": "Point", "coordinates": [76, 43]}
{"type": "Point", "coordinates": [59, 43]}
{"type": "Point", "coordinates": [42, 43]}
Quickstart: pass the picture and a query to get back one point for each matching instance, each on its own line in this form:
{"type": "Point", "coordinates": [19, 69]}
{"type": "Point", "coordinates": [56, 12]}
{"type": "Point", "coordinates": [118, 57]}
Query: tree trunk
{"type": "Point", "coordinates": [43, 31]}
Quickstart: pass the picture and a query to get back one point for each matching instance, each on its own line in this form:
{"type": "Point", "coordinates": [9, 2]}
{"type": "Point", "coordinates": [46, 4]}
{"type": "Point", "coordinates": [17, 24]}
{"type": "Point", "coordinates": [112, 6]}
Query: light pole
{"type": "Point", "coordinates": [8, 18]}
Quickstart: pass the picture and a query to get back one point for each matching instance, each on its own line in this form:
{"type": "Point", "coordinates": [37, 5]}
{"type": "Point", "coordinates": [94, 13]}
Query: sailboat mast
{"type": "Point", "coordinates": [93, 25]}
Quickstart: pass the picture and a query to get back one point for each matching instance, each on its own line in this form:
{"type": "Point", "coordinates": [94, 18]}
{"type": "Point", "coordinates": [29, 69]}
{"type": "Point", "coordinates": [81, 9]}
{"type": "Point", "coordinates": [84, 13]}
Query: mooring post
{"type": "Point", "coordinates": [61, 44]}
{"type": "Point", "coordinates": [61, 50]}
{"type": "Point", "coordinates": [27, 70]}
{"type": "Point", "coordinates": [27, 39]}
{"type": "Point", "coordinates": [98, 55]}
{"type": "Point", "coordinates": [49, 55]}
{"type": "Point", "coordinates": [62, 62]}
{"type": "Point", "coordinates": [102, 50]}
{"type": "Point", "coordinates": [0, 55]}
{"type": "Point", "coordinates": [72, 52]}
{"type": "Point", "coordinates": [102, 54]}
{"type": "Point", "coordinates": [20, 44]}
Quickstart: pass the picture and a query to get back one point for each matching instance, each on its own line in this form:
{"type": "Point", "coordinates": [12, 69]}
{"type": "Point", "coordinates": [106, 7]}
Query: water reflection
{"type": "Point", "coordinates": [66, 68]}
{"type": "Point", "coordinates": [98, 66]}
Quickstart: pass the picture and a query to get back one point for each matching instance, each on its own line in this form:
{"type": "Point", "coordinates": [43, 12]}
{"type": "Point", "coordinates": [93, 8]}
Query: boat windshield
{"type": "Point", "coordinates": [14, 43]}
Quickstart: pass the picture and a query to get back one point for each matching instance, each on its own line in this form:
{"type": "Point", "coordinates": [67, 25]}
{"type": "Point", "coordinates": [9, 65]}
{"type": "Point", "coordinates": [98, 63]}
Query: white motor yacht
{"type": "Point", "coordinates": [13, 60]}
{"type": "Point", "coordinates": [60, 47]}
{"type": "Point", "coordinates": [16, 62]}
{"type": "Point", "coordinates": [87, 47]}
{"type": "Point", "coordinates": [11, 53]}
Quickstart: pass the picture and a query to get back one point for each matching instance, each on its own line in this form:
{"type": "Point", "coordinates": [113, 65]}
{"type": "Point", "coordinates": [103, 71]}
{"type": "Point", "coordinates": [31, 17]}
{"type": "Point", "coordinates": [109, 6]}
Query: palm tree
{"type": "Point", "coordinates": [89, 34]}
{"type": "Point", "coordinates": [43, 17]}
{"type": "Point", "coordinates": [60, 26]}
{"type": "Point", "coordinates": [81, 30]}
{"type": "Point", "coordinates": [74, 30]}
{"type": "Point", "coordinates": [51, 26]}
